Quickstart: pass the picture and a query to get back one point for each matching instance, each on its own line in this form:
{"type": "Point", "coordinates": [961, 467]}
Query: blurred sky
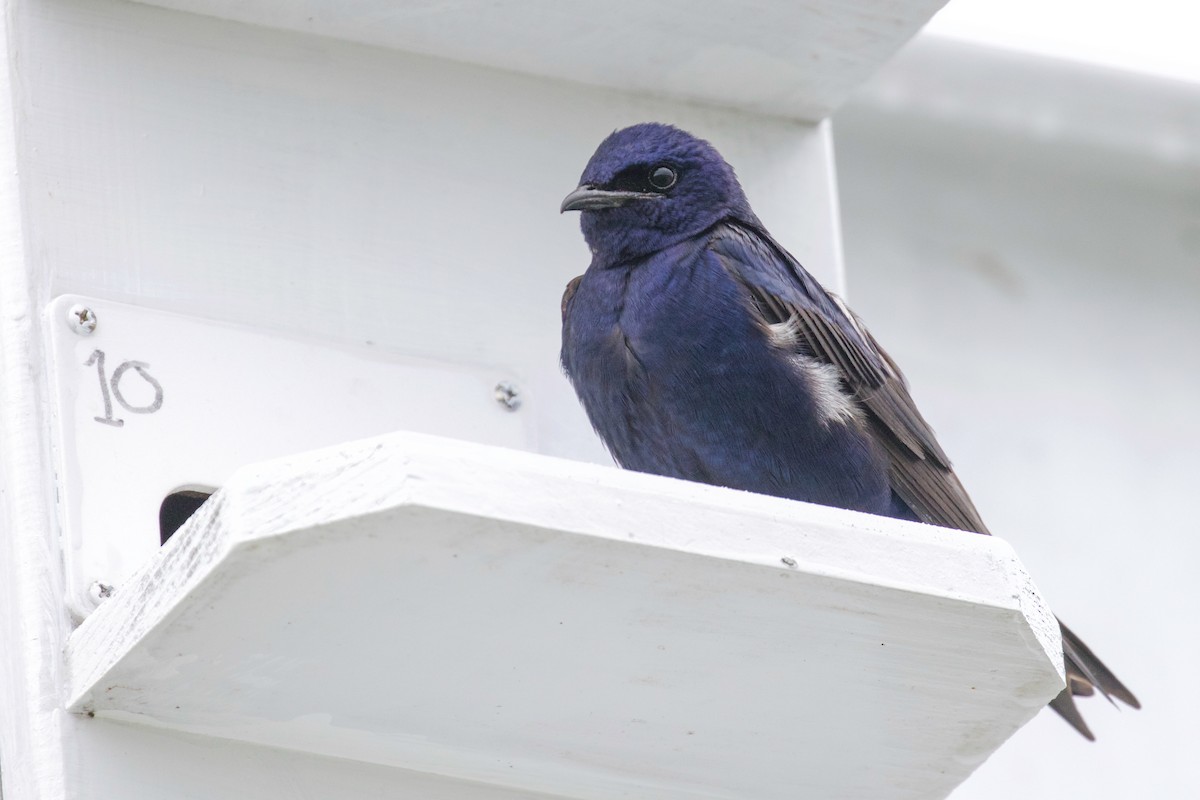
{"type": "Point", "coordinates": [1159, 37]}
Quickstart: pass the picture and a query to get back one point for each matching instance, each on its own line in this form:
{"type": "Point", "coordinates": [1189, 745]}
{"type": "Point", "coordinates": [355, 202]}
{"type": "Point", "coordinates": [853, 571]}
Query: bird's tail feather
{"type": "Point", "coordinates": [1086, 674]}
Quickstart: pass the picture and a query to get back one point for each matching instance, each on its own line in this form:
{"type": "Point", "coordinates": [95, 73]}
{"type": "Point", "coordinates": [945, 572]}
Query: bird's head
{"type": "Point", "coordinates": [650, 186]}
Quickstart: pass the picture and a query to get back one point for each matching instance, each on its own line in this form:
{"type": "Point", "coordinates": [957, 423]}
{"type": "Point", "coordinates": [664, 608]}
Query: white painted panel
{"type": "Point", "coordinates": [150, 402]}
{"type": "Point", "coordinates": [119, 760]}
{"type": "Point", "coordinates": [1096, 112]}
{"type": "Point", "coordinates": [344, 192]}
{"type": "Point", "coordinates": [574, 629]}
{"type": "Point", "coordinates": [791, 58]}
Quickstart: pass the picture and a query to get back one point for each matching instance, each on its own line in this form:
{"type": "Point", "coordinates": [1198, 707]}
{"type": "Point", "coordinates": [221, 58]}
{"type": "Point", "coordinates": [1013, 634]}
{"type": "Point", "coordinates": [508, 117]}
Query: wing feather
{"type": "Point", "coordinates": [780, 290]}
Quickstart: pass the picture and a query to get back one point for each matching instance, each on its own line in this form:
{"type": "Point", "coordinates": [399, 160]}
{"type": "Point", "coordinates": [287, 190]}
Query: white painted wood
{"type": "Point", "coordinates": [1104, 115]}
{"type": "Point", "coordinates": [573, 629]}
{"type": "Point", "coordinates": [136, 761]}
{"type": "Point", "coordinates": [33, 623]}
{"type": "Point", "coordinates": [346, 193]}
{"type": "Point", "coordinates": [791, 59]}
{"type": "Point", "coordinates": [334, 192]}
{"type": "Point", "coordinates": [1041, 291]}
{"type": "Point", "coordinates": [185, 401]}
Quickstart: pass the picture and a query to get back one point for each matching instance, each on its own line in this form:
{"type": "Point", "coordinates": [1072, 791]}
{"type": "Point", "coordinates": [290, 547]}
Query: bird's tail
{"type": "Point", "coordinates": [1085, 674]}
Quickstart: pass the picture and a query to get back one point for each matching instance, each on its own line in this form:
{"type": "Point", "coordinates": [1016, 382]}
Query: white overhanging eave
{"type": "Point", "coordinates": [573, 629]}
{"type": "Point", "coordinates": [957, 90]}
{"type": "Point", "coordinates": [790, 59]}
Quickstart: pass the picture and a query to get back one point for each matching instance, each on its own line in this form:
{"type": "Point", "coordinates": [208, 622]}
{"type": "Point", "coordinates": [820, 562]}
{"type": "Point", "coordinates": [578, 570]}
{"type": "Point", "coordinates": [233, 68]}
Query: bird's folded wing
{"type": "Point", "coordinates": [781, 291]}
{"type": "Point", "coordinates": [568, 294]}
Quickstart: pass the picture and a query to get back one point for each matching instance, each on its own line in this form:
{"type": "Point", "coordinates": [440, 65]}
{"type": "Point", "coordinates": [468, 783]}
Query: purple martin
{"type": "Point", "coordinates": [702, 350]}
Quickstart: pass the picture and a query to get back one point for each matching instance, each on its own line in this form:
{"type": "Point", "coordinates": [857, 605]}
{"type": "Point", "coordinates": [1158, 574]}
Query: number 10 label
{"type": "Point", "coordinates": [110, 388]}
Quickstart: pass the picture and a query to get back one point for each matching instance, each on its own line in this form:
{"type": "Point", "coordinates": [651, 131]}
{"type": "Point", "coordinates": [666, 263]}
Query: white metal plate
{"type": "Point", "coordinates": [152, 402]}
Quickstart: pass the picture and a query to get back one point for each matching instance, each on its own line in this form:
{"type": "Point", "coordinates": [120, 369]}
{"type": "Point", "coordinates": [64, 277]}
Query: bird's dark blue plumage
{"type": "Point", "coordinates": [702, 350]}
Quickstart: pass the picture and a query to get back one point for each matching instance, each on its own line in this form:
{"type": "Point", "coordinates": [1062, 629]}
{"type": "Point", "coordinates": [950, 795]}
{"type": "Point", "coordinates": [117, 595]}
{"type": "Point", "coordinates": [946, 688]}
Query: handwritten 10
{"type": "Point", "coordinates": [140, 367]}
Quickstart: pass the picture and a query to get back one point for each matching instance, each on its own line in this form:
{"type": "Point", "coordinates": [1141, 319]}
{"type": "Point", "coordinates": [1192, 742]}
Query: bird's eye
{"type": "Point", "coordinates": [662, 177]}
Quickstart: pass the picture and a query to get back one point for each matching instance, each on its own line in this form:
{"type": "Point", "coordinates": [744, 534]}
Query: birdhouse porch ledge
{"type": "Point", "coordinates": [535, 625]}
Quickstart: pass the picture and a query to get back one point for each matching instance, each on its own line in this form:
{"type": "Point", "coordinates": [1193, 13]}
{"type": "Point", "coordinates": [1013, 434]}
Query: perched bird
{"type": "Point", "coordinates": [702, 350]}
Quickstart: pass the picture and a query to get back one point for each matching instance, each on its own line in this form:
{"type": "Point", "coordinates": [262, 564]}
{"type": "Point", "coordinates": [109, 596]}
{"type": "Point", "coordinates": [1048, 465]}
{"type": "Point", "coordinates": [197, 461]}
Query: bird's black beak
{"type": "Point", "coordinates": [586, 198]}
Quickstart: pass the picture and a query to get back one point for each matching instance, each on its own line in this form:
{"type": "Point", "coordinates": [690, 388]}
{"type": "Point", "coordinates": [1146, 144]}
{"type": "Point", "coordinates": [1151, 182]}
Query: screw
{"type": "Point", "coordinates": [82, 320]}
{"type": "Point", "coordinates": [788, 561]}
{"type": "Point", "coordinates": [100, 592]}
{"type": "Point", "coordinates": [508, 395]}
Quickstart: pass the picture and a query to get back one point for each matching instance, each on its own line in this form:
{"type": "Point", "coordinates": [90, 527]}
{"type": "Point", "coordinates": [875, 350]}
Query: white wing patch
{"type": "Point", "coordinates": [824, 380]}
{"type": "Point", "coordinates": [785, 335]}
{"type": "Point", "coordinates": [834, 404]}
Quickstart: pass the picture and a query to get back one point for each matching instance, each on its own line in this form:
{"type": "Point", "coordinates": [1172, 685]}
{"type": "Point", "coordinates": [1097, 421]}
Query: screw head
{"type": "Point", "coordinates": [81, 319]}
{"type": "Point", "coordinates": [99, 592]}
{"type": "Point", "coordinates": [508, 395]}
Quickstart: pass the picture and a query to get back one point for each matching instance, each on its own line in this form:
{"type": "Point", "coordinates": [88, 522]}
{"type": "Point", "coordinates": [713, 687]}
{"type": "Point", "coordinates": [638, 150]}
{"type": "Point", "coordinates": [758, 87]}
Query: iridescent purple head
{"type": "Point", "coordinates": [652, 185]}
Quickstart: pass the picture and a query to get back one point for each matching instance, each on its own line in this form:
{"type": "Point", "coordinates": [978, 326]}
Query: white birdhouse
{"type": "Point", "coordinates": [308, 256]}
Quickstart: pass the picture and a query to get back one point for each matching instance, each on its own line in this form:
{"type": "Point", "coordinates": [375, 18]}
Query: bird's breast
{"type": "Point", "coordinates": [679, 378]}
{"type": "Point", "coordinates": [640, 325]}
